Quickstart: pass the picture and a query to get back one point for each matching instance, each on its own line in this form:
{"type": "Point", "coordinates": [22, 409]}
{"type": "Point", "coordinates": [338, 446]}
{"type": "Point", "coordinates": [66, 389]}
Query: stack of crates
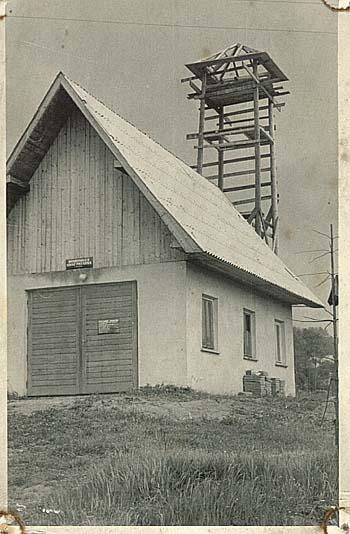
{"type": "Point", "coordinates": [278, 387]}
{"type": "Point", "coordinates": [256, 384]}
{"type": "Point", "coordinates": [260, 385]}
{"type": "Point", "coordinates": [282, 388]}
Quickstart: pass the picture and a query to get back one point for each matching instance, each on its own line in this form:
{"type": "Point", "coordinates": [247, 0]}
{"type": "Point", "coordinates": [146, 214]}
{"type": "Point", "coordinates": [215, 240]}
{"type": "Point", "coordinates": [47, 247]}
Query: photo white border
{"type": "Point", "coordinates": [344, 312]}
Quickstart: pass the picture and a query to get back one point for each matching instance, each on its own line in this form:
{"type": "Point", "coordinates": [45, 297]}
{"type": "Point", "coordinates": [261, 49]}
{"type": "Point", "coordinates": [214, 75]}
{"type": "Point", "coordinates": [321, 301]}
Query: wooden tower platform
{"type": "Point", "coordinates": [238, 90]}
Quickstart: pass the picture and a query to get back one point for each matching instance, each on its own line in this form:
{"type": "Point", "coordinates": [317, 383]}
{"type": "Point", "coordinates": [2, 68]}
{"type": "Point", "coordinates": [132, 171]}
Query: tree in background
{"type": "Point", "coordinates": [314, 358]}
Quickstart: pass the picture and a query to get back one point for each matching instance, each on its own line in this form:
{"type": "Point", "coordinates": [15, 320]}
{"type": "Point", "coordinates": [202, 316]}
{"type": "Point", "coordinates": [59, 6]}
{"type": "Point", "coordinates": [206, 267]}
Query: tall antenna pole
{"type": "Point", "coordinates": [335, 338]}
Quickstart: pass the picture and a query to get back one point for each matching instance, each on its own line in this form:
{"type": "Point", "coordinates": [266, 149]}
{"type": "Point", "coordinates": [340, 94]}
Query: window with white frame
{"type": "Point", "coordinates": [280, 343]}
{"type": "Point", "coordinates": [209, 323]}
{"type": "Point", "coordinates": [248, 334]}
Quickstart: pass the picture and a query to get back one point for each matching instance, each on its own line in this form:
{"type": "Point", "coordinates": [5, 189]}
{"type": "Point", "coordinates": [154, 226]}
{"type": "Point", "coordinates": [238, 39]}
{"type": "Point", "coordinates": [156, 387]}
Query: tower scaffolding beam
{"type": "Point", "coordinates": [240, 88]}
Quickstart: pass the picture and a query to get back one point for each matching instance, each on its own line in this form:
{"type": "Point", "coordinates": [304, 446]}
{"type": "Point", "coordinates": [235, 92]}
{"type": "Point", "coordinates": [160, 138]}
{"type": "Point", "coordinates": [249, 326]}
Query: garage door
{"type": "Point", "coordinates": [82, 339]}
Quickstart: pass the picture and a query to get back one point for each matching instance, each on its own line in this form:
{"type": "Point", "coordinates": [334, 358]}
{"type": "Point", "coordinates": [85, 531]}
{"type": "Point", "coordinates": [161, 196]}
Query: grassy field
{"type": "Point", "coordinates": [166, 456]}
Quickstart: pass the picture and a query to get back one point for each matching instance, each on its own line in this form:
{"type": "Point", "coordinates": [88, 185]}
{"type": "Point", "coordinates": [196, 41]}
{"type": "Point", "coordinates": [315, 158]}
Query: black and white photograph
{"type": "Point", "coordinates": [172, 262]}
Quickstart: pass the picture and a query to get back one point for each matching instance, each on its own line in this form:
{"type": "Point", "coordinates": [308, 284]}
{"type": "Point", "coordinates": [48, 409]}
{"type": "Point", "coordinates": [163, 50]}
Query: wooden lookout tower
{"type": "Point", "coordinates": [238, 90]}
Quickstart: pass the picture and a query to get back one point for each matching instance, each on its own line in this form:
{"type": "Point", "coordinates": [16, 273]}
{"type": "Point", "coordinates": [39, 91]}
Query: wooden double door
{"type": "Point", "coordinates": [82, 339]}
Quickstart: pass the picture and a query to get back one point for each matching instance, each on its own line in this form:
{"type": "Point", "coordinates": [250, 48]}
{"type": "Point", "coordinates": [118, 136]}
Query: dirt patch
{"type": "Point", "coordinates": [176, 409]}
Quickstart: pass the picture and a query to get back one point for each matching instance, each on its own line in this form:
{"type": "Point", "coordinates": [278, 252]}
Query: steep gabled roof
{"type": "Point", "coordinates": [199, 215]}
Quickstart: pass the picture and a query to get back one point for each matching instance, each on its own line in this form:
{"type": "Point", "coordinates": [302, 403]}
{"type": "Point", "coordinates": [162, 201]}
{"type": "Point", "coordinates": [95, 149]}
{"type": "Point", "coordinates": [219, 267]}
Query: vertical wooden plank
{"type": "Point", "coordinates": [135, 335]}
{"type": "Point", "coordinates": [29, 343]}
{"type": "Point", "coordinates": [103, 236]}
{"type": "Point", "coordinates": [106, 209]}
{"type": "Point", "coordinates": [136, 224]}
{"type": "Point", "coordinates": [112, 207]}
{"type": "Point", "coordinates": [54, 206]}
{"type": "Point", "coordinates": [69, 222]}
{"type": "Point", "coordinates": [93, 193]}
{"type": "Point", "coordinates": [87, 182]}
{"type": "Point", "coordinates": [9, 242]}
{"type": "Point", "coordinates": [43, 210]}
{"type": "Point", "coordinates": [128, 222]}
{"type": "Point", "coordinates": [13, 240]}
{"type": "Point", "coordinates": [62, 181]}
{"type": "Point", "coordinates": [83, 228]}
{"type": "Point", "coordinates": [150, 232]}
{"type": "Point", "coordinates": [81, 336]}
{"type": "Point", "coordinates": [119, 216]}
{"type": "Point", "coordinates": [24, 234]}
{"type": "Point", "coordinates": [77, 206]}
{"type": "Point", "coordinates": [99, 193]}
{"type": "Point", "coordinates": [124, 245]}
{"type": "Point", "coordinates": [142, 230]}
{"type": "Point", "coordinates": [19, 237]}
{"type": "Point", "coordinates": [74, 223]}
{"type": "Point", "coordinates": [112, 203]}
{"type": "Point", "coordinates": [65, 190]}
{"type": "Point", "coordinates": [18, 243]}
{"type": "Point", "coordinates": [50, 210]}
{"type": "Point", "coordinates": [99, 202]}
{"type": "Point", "coordinates": [37, 218]}
{"type": "Point", "coordinates": [14, 233]}
{"type": "Point", "coordinates": [46, 184]}
{"type": "Point", "coordinates": [56, 261]}
{"type": "Point", "coordinates": [164, 243]}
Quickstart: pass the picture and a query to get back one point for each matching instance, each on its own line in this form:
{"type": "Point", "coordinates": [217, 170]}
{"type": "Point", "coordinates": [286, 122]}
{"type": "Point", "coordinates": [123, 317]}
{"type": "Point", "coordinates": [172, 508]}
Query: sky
{"type": "Point", "coordinates": [131, 54]}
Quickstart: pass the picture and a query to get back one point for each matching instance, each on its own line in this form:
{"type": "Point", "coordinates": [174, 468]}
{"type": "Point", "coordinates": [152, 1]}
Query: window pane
{"type": "Point", "coordinates": [247, 323]}
{"type": "Point", "coordinates": [248, 334]}
{"type": "Point", "coordinates": [279, 341]}
{"type": "Point", "coordinates": [208, 340]}
{"type": "Point", "coordinates": [247, 344]}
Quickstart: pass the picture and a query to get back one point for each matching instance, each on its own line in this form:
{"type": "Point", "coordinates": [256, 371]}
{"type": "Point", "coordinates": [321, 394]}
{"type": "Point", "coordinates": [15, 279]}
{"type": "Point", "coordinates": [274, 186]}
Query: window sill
{"type": "Point", "coordinates": [250, 359]}
{"type": "Point", "coordinates": [212, 351]}
{"type": "Point", "coordinates": [279, 364]}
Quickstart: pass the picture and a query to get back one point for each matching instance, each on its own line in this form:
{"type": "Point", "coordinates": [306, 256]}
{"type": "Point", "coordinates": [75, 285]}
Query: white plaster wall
{"type": "Point", "coordinates": [223, 372]}
{"type": "Point", "coordinates": [161, 292]}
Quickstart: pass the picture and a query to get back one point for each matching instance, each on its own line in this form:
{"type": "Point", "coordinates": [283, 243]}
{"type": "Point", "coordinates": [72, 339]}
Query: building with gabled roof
{"type": "Point", "coordinates": [127, 267]}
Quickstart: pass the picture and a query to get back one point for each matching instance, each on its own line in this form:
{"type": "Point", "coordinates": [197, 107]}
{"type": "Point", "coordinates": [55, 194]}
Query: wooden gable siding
{"type": "Point", "coordinates": [80, 205]}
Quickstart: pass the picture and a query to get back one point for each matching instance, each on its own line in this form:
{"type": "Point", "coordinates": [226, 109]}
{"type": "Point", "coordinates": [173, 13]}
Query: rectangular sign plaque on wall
{"type": "Point", "coordinates": [80, 263]}
{"type": "Point", "coordinates": [108, 326]}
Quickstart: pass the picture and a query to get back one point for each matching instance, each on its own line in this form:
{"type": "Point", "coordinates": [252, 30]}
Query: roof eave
{"type": "Point", "coordinates": [252, 280]}
{"type": "Point", "coordinates": [18, 148]}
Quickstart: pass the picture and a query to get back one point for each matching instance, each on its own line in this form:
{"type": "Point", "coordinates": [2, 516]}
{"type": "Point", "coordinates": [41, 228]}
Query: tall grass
{"type": "Point", "coordinates": [168, 487]}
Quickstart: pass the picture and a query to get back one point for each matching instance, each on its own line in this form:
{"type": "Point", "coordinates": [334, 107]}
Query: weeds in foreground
{"type": "Point", "coordinates": [103, 460]}
{"type": "Point", "coordinates": [197, 488]}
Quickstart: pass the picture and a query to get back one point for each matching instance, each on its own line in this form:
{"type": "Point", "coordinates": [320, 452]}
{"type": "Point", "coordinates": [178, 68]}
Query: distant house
{"type": "Point", "coordinates": [126, 267]}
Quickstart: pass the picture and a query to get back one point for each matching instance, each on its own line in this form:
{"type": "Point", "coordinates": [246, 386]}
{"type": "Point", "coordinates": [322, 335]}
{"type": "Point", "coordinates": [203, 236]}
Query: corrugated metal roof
{"type": "Point", "coordinates": [200, 215]}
